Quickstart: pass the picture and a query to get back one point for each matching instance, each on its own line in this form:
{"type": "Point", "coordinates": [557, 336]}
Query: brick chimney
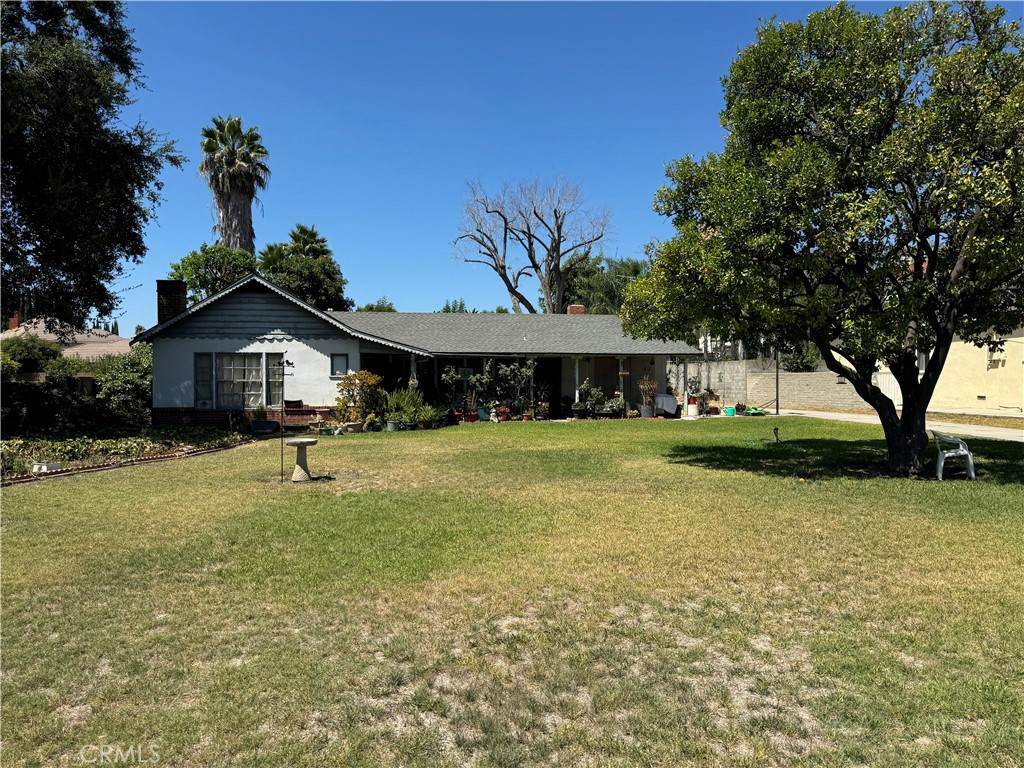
{"type": "Point", "coordinates": [575, 309]}
{"type": "Point", "coordinates": [170, 299]}
{"type": "Point", "coordinates": [14, 321]}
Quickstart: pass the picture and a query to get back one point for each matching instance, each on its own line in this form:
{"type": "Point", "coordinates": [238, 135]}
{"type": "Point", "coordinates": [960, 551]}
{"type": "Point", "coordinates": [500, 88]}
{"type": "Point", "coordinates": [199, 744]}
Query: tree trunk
{"type": "Point", "coordinates": [906, 437]}
{"type": "Point", "coordinates": [234, 221]}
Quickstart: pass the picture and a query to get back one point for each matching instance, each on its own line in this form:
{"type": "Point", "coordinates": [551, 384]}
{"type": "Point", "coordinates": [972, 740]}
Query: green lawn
{"type": "Point", "coordinates": [591, 593]}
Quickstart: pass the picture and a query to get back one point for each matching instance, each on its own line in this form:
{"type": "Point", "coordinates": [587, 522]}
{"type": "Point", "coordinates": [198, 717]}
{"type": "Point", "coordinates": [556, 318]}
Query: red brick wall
{"type": "Point", "coordinates": [171, 299]}
{"type": "Point", "coordinates": [293, 417]}
{"type": "Point", "coordinates": [174, 417]}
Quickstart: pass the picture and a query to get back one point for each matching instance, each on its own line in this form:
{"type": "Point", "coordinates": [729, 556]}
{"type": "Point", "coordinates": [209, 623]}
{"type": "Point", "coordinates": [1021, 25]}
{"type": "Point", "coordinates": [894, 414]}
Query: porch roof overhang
{"type": "Point", "coordinates": [486, 335]}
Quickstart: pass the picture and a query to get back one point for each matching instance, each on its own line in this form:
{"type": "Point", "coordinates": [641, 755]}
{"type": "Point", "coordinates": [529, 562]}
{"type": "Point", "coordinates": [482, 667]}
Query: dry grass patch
{"type": "Point", "coordinates": [586, 594]}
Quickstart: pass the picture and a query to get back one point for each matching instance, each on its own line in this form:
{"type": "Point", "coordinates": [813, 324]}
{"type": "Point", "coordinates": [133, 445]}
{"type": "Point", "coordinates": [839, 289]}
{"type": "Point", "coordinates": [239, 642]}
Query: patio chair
{"type": "Point", "coordinates": [955, 447]}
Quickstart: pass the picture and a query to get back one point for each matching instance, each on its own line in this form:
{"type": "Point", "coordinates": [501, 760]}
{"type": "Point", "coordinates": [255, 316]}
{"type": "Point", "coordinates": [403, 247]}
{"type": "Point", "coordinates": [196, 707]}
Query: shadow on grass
{"type": "Point", "coordinates": [997, 461]}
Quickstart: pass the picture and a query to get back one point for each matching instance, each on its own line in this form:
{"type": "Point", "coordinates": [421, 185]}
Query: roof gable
{"type": "Point", "coordinates": [255, 307]}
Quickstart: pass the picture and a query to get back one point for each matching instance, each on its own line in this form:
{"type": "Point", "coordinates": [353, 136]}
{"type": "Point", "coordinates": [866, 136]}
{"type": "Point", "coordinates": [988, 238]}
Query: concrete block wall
{"type": "Point", "coordinates": [728, 378]}
{"type": "Point", "coordinates": [821, 389]}
{"type": "Point", "coordinates": [751, 382]}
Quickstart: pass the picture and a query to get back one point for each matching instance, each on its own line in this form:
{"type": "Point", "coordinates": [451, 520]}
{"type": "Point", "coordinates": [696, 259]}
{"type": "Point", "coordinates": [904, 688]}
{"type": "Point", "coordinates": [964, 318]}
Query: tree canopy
{"type": "Point", "coordinates": [211, 269]}
{"type": "Point", "coordinates": [458, 307]}
{"type": "Point", "coordinates": [305, 266]}
{"type": "Point", "coordinates": [867, 200]}
{"type": "Point", "coordinates": [528, 231]}
{"type": "Point", "coordinates": [78, 186]}
{"type": "Point", "coordinates": [380, 305]}
{"type": "Point", "coordinates": [234, 164]}
{"type": "Point", "coordinates": [599, 283]}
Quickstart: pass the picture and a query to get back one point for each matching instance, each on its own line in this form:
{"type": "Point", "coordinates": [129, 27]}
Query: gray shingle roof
{"type": "Point", "coordinates": [485, 334]}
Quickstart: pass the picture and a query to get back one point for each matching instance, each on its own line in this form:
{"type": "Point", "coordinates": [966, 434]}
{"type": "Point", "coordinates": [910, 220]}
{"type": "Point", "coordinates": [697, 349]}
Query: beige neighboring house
{"type": "Point", "coordinates": [86, 345]}
{"type": "Point", "coordinates": [978, 379]}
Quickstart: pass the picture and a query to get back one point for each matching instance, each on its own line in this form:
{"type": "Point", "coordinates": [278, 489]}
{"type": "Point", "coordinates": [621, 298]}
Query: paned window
{"type": "Point", "coordinates": [275, 379]}
{"type": "Point", "coordinates": [239, 381]}
{"type": "Point", "coordinates": [203, 381]}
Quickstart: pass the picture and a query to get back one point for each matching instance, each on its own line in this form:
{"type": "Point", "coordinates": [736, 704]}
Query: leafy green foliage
{"type": "Point", "coordinates": [234, 164]}
{"type": "Point", "coordinates": [599, 283]}
{"type": "Point", "coordinates": [9, 367]}
{"type": "Point", "coordinates": [211, 269]}
{"type": "Point", "coordinates": [126, 387]}
{"type": "Point", "coordinates": [404, 405]}
{"type": "Point", "coordinates": [305, 267]}
{"type": "Point", "coordinates": [592, 397]}
{"type": "Point", "coordinates": [803, 358]}
{"type": "Point", "coordinates": [66, 403]}
{"type": "Point", "coordinates": [466, 395]}
{"type": "Point", "coordinates": [458, 306]}
{"type": "Point", "coordinates": [89, 450]}
{"type": "Point", "coordinates": [78, 186]}
{"type": "Point", "coordinates": [513, 384]}
{"type": "Point", "coordinates": [380, 305]}
{"type": "Point", "coordinates": [30, 353]}
{"type": "Point", "coordinates": [868, 200]}
{"type": "Point", "coordinates": [359, 395]}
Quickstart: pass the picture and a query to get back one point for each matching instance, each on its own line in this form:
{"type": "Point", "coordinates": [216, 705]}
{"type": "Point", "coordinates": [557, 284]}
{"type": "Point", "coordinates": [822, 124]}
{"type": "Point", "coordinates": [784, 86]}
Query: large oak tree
{"type": "Point", "coordinates": [867, 200]}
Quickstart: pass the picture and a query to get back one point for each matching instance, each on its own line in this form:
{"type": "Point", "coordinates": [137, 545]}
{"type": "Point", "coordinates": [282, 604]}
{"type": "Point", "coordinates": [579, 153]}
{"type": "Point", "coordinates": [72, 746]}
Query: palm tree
{"type": "Point", "coordinates": [234, 167]}
{"type": "Point", "coordinates": [306, 241]}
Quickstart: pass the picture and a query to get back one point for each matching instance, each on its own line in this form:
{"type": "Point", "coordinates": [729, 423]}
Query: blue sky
{"type": "Point", "coordinates": [376, 115]}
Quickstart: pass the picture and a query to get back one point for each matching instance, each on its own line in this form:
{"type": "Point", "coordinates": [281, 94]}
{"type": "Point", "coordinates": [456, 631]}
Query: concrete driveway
{"type": "Point", "coordinates": [1014, 434]}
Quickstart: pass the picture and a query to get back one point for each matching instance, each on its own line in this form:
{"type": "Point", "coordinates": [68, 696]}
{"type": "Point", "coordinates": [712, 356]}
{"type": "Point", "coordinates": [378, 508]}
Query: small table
{"type": "Point", "coordinates": [301, 472]}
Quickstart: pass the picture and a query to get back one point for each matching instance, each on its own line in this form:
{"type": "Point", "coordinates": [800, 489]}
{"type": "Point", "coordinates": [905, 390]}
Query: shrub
{"type": "Point", "coordinates": [31, 353]}
{"type": "Point", "coordinates": [591, 396]}
{"type": "Point", "coordinates": [513, 383]}
{"type": "Point", "coordinates": [126, 389]}
{"type": "Point", "coordinates": [359, 394]}
{"type": "Point", "coordinates": [405, 405]}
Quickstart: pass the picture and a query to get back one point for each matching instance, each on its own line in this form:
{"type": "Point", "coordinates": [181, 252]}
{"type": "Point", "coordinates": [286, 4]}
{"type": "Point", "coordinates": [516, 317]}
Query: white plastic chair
{"type": "Point", "coordinates": [957, 448]}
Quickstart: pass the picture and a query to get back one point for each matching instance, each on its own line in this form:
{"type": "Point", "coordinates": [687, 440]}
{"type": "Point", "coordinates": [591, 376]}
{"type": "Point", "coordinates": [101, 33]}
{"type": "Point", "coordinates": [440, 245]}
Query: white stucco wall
{"type": "Point", "coordinates": [311, 382]}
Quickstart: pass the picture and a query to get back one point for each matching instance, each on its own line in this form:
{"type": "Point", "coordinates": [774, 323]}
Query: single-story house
{"type": "Point", "coordinates": [224, 353]}
{"type": "Point", "coordinates": [89, 344]}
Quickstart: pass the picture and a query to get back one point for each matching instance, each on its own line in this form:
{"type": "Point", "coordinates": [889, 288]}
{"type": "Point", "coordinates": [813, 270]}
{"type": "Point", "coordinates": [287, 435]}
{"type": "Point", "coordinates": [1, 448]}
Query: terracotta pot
{"type": "Point", "coordinates": [471, 417]}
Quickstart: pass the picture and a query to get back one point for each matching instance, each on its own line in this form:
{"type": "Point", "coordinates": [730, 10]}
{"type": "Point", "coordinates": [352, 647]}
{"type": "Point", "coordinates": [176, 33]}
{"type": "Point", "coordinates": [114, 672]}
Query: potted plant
{"type": "Point", "coordinates": [614, 408]}
{"type": "Point", "coordinates": [409, 418]}
{"type": "Point", "coordinates": [260, 424]}
{"type": "Point", "coordinates": [591, 400]}
{"type": "Point", "coordinates": [633, 414]}
{"type": "Point", "coordinates": [431, 416]}
{"type": "Point", "coordinates": [372, 423]}
{"type": "Point", "coordinates": [648, 389]}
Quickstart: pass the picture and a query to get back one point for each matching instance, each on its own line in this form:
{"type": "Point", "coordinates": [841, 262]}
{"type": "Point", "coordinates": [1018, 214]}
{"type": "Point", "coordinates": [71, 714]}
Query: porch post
{"type": "Point", "coordinates": [533, 398]}
{"type": "Point", "coordinates": [622, 379]}
{"type": "Point", "coordinates": [412, 369]}
{"type": "Point", "coordinates": [576, 360]}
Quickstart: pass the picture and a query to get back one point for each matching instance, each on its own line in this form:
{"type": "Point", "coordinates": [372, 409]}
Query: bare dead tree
{"type": "Point", "coordinates": [529, 230]}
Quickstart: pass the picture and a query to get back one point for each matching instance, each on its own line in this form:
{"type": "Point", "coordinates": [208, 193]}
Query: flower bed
{"type": "Point", "coordinates": [17, 455]}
